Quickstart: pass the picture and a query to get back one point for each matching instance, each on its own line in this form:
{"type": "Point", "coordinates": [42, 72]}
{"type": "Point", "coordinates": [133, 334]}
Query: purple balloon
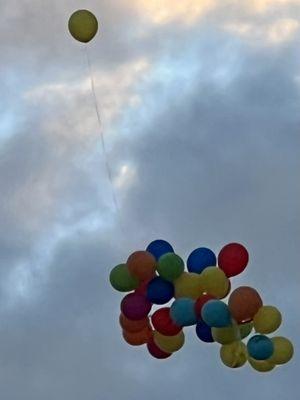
{"type": "Point", "coordinates": [135, 306]}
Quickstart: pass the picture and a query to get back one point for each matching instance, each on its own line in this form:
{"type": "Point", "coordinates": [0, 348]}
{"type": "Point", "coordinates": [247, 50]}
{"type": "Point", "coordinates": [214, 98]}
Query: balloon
{"type": "Point", "coordinates": [135, 306]}
{"type": "Point", "coordinates": [215, 282]}
{"type": "Point", "coordinates": [201, 258]}
{"type": "Point", "coordinates": [216, 314]}
{"type": "Point", "coordinates": [233, 259]}
{"type": "Point", "coordinates": [138, 338]}
{"type": "Point", "coordinates": [261, 365]}
{"type": "Point", "coordinates": [226, 335]}
{"type": "Point", "coordinates": [142, 265]}
{"type": "Point", "coordinates": [159, 247]}
{"type": "Point", "coordinates": [245, 329]}
{"type": "Point", "coordinates": [163, 323]}
{"type": "Point", "coordinates": [267, 319]}
{"type": "Point", "coordinates": [121, 279]}
{"type": "Point", "coordinates": [169, 344]}
{"type": "Point", "coordinates": [170, 266]}
{"type": "Point", "coordinates": [243, 303]}
{"type": "Point", "coordinates": [203, 332]}
{"type": "Point", "coordinates": [83, 25]}
{"type": "Point", "coordinates": [231, 333]}
{"type": "Point", "coordinates": [283, 350]}
{"type": "Point", "coordinates": [155, 351]}
{"type": "Point", "coordinates": [160, 291]}
{"type": "Point", "coordinates": [188, 285]}
{"type": "Point", "coordinates": [133, 326]}
{"type": "Point", "coordinates": [260, 347]}
{"type": "Point", "coordinates": [183, 312]}
{"type": "Point", "coordinates": [143, 286]}
{"type": "Point", "coordinates": [200, 303]}
{"type": "Point", "coordinates": [233, 355]}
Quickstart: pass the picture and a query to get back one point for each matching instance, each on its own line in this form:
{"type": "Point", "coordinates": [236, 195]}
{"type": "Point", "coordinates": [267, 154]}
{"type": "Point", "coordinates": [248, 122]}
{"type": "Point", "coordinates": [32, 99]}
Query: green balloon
{"type": "Point", "coordinates": [245, 329]}
{"type": "Point", "coordinates": [170, 266]}
{"type": "Point", "coordinates": [121, 279]}
{"type": "Point", "coordinates": [83, 25]}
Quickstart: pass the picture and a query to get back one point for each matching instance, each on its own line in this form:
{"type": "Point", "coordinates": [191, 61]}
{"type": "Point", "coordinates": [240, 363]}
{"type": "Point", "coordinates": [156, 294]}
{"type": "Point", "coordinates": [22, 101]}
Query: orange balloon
{"type": "Point", "coordinates": [142, 265]}
{"type": "Point", "coordinates": [138, 338]}
{"type": "Point", "coordinates": [243, 303]}
{"type": "Point", "coordinates": [133, 326]}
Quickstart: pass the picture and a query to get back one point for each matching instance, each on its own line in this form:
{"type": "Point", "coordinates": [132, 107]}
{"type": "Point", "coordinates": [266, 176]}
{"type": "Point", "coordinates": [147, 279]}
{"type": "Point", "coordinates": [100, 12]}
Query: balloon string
{"type": "Point", "coordinates": [108, 169]}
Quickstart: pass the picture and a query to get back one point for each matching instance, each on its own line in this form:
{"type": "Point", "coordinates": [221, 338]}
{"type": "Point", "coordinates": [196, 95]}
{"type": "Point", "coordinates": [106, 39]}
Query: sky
{"type": "Point", "coordinates": [199, 103]}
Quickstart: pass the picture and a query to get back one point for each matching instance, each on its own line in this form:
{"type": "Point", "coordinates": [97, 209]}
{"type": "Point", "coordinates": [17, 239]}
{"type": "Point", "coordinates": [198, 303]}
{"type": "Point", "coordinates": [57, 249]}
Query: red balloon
{"type": "Point", "coordinates": [138, 338]}
{"type": "Point", "coordinates": [162, 322]}
{"type": "Point", "coordinates": [243, 303]}
{"type": "Point", "coordinates": [155, 351]}
{"type": "Point", "coordinates": [135, 306]}
{"type": "Point", "coordinates": [142, 288]}
{"type": "Point", "coordinates": [233, 259]}
{"type": "Point", "coordinates": [141, 264]}
{"type": "Point", "coordinates": [132, 326]}
{"type": "Point", "coordinates": [201, 301]}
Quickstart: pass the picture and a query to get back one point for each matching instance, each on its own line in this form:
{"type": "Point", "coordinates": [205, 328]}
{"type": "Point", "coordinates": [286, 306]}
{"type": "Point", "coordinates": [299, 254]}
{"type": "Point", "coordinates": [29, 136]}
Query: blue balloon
{"type": "Point", "coordinates": [200, 259]}
{"type": "Point", "coordinates": [216, 314]}
{"type": "Point", "coordinates": [183, 312]}
{"type": "Point", "coordinates": [159, 247]}
{"type": "Point", "coordinates": [260, 347]}
{"type": "Point", "coordinates": [203, 332]}
{"type": "Point", "coordinates": [160, 291]}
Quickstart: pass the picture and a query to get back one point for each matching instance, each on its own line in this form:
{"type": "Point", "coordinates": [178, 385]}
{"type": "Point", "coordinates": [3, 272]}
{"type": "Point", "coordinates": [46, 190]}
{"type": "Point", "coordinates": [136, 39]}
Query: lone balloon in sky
{"type": "Point", "coordinates": [83, 26]}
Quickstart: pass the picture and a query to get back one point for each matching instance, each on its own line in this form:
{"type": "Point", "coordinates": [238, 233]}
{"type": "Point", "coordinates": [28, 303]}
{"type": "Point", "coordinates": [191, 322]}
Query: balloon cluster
{"type": "Point", "coordinates": [157, 275]}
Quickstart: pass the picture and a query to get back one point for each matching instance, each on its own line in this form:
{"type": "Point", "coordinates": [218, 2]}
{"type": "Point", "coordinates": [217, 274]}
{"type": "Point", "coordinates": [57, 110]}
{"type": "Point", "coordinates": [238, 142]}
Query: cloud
{"type": "Point", "coordinates": [274, 33]}
{"type": "Point", "coordinates": [262, 6]}
{"type": "Point", "coordinates": [167, 11]}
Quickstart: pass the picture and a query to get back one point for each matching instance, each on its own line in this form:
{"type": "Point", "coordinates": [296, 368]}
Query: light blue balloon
{"type": "Point", "coordinates": [260, 347]}
{"type": "Point", "coordinates": [183, 312]}
{"type": "Point", "coordinates": [216, 314]}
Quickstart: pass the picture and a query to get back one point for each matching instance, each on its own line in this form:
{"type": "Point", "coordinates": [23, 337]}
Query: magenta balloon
{"type": "Point", "coordinates": [135, 306]}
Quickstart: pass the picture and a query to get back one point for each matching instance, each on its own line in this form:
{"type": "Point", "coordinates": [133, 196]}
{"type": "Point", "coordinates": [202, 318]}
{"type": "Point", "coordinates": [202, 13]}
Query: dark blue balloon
{"type": "Point", "coordinates": [160, 291]}
{"type": "Point", "coordinates": [201, 258]}
{"type": "Point", "coordinates": [260, 347]}
{"type": "Point", "coordinates": [203, 332]}
{"type": "Point", "coordinates": [159, 247]}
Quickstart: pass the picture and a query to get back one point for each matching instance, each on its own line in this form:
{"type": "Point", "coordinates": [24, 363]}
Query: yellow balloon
{"type": "Point", "coordinates": [234, 355]}
{"type": "Point", "coordinates": [245, 329]}
{"type": "Point", "coordinates": [261, 366]}
{"type": "Point", "coordinates": [225, 335]}
{"type": "Point", "coordinates": [189, 284]}
{"type": "Point", "coordinates": [215, 282]}
{"type": "Point", "coordinates": [169, 344]}
{"type": "Point", "coordinates": [83, 25]}
{"type": "Point", "coordinates": [231, 333]}
{"type": "Point", "coordinates": [283, 350]}
{"type": "Point", "coordinates": [267, 319]}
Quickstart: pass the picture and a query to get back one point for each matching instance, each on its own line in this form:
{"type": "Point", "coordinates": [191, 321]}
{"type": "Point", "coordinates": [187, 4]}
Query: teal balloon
{"type": "Point", "coordinates": [183, 312]}
{"type": "Point", "coordinates": [260, 347]}
{"type": "Point", "coordinates": [121, 280]}
{"type": "Point", "coordinates": [216, 314]}
{"type": "Point", "coordinates": [170, 266]}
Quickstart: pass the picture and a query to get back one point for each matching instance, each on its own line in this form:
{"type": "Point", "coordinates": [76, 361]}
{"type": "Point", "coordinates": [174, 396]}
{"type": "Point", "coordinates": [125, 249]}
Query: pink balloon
{"type": "Point", "coordinates": [135, 306]}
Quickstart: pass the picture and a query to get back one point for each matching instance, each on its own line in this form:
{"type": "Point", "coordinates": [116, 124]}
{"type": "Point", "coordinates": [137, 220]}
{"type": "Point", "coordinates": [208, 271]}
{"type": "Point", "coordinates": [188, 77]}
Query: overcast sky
{"type": "Point", "coordinates": [200, 108]}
